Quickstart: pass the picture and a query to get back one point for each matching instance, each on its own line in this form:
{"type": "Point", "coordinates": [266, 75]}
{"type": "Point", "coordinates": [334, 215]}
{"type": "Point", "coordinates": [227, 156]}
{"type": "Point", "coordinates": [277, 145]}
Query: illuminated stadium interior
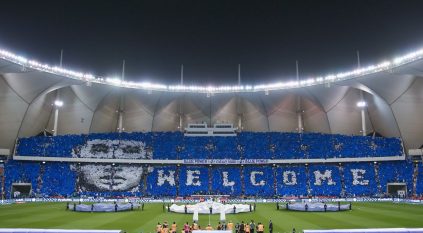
{"type": "Point", "coordinates": [338, 151]}
{"type": "Point", "coordinates": [149, 137]}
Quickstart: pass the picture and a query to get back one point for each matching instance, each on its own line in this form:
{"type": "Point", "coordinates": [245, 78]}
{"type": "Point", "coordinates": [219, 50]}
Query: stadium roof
{"type": "Point", "coordinates": [392, 89]}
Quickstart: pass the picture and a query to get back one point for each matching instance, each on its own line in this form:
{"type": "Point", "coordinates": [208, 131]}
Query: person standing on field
{"type": "Point", "coordinates": [186, 227]}
{"type": "Point", "coordinates": [241, 227]}
{"type": "Point", "coordinates": [252, 226]}
{"type": "Point", "coordinates": [247, 228]}
{"type": "Point", "coordinates": [230, 226]}
{"type": "Point", "coordinates": [194, 226]}
{"type": "Point", "coordinates": [209, 228]}
{"type": "Point", "coordinates": [270, 226]}
{"type": "Point", "coordinates": [260, 228]}
{"type": "Point", "coordinates": [174, 227]}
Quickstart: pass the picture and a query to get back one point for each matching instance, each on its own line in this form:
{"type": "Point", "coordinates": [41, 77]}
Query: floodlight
{"type": "Point", "coordinates": [58, 103]}
{"type": "Point", "coordinates": [114, 81]}
{"type": "Point", "coordinates": [361, 104]}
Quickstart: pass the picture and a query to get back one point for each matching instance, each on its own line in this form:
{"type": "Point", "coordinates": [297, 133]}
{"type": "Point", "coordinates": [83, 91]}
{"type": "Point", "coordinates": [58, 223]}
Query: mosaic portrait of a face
{"type": "Point", "coordinates": [111, 177]}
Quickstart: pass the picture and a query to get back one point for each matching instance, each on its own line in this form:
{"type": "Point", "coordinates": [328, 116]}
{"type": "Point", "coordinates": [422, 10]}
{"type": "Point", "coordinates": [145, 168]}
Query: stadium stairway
{"type": "Point", "coordinates": [341, 173]}
{"type": "Point", "coordinates": [379, 186]}
{"type": "Point", "coordinates": [415, 174]}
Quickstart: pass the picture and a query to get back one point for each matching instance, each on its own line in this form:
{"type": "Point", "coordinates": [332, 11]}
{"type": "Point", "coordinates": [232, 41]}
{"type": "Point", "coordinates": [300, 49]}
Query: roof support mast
{"type": "Point", "coordinates": [61, 58]}
{"type": "Point", "coordinates": [122, 102]}
{"type": "Point", "coordinates": [180, 101]}
{"type": "Point", "coordinates": [56, 106]}
{"type": "Point", "coordinates": [239, 74]}
{"type": "Point", "coordinates": [182, 74]}
{"type": "Point", "coordinates": [299, 110]}
{"type": "Point", "coordinates": [239, 100]}
{"type": "Point", "coordinates": [363, 102]}
{"type": "Point", "coordinates": [57, 103]}
{"type": "Point", "coordinates": [363, 116]}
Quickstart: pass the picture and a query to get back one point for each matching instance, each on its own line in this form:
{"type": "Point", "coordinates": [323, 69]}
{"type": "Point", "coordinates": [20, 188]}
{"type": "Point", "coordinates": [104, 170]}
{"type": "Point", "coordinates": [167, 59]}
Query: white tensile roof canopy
{"type": "Point", "coordinates": [394, 97]}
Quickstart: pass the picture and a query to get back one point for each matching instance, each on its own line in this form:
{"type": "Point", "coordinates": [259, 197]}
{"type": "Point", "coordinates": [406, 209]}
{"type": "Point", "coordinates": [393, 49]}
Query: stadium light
{"type": "Point", "coordinates": [361, 104]}
{"type": "Point", "coordinates": [58, 103]}
{"type": "Point", "coordinates": [311, 81]}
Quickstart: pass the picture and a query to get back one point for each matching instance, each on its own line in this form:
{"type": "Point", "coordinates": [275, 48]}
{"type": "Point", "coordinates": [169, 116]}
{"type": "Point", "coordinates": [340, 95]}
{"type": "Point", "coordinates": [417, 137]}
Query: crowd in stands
{"type": "Point", "coordinates": [419, 179]}
{"type": "Point", "coordinates": [246, 145]}
{"type": "Point", "coordinates": [353, 179]}
{"type": "Point", "coordinates": [231, 183]}
{"type": "Point", "coordinates": [21, 172]}
{"type": "Point", "coordinates": [193, 180]}
{"type": "Point", "coordinates": [325, 180]}
{"type": "Point", "coordinates": [322, 179]}
{"type": "Point", "coordinates": [58, 179]}
{"type": "Point", "coordinates": [396, 172]}
{"type": "Point", "coordinates": [258, 181]}
{"type": "Point", "coordinates": [294, 181]}
{"type": "Point", "coordinates": [363, 187]}
{"type": "Point", "coordinates": [162, 182]}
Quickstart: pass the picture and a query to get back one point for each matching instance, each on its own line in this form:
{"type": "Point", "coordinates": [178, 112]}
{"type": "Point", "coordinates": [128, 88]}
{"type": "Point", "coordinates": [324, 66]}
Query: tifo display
{"type": "Point", "coordinates": [246, 145]}
{"type": "Point", "coordinates": [347, 179]}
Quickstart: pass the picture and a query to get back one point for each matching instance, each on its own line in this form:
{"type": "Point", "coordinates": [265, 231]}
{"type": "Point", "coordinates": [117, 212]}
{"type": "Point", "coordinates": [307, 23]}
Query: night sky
{"type": "Point", "coordinates": [211, 37]}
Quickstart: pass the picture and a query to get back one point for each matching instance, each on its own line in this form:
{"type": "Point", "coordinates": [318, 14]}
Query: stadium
{"type": "Point", "coordinates": [336, 152]}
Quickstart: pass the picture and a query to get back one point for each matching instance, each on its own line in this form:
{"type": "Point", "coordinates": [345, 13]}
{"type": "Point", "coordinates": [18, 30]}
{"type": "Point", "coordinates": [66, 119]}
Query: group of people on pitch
{"type": "Point", "coordinates": [238, 227]}
{"type": "Point", "coordinates": [247, 227]}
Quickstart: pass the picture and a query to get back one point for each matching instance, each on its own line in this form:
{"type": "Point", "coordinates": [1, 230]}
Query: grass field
{"type": "Point", "coordinates": [363, 215]}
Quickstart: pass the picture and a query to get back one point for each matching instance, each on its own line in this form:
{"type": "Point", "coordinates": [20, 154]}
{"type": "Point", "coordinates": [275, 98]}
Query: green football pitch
{"type": "Point", "coordinates": [363, 215]}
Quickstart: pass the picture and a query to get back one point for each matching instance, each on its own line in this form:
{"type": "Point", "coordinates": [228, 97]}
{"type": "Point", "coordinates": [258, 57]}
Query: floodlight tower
{"type": "Point", "coordinates": [180, 126]}
{"type": "Point", "coordinates": [122, 101]}
{"type": "Point", "coordinates": [362, 105]}
{"type": "Point", "coordinates": [57, 104]}
{"type": "Point", "coordinates": [239, 113]}
{"type": "Point", "coordinates": [299, 109]}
